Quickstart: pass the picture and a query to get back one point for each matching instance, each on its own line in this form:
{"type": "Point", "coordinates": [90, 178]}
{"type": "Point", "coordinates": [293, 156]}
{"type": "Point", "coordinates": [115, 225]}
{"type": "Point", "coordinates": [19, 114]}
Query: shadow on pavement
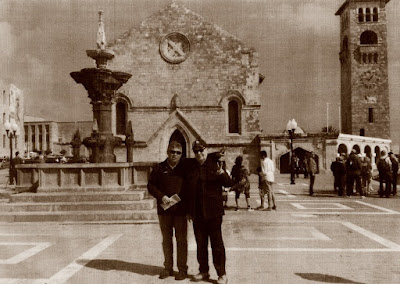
{"type": "Point", "coordinates": [325, 278]}
{"type": "Point", "coordinates": [112, 264]}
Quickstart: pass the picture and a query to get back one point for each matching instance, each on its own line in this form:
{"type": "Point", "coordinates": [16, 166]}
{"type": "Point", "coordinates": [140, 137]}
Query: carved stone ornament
{"type": "Point", "coordinates": [175, 48]}
{"type": "Point", "coordinates": [369, 79]}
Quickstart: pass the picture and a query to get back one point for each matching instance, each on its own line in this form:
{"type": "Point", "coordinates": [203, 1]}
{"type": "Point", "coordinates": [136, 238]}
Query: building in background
{"type": "Point", "coordinates": [11, 110]}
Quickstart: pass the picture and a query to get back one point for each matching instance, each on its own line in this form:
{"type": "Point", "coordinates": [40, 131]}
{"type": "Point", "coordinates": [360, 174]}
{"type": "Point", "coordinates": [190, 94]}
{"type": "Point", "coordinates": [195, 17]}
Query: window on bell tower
{"type": "Point", "coordinates": [360, 15]}
{"type": "Point", "coordinates": [370, 115]}
{"type": "Point", "coordinates": [368, 37]}
{"type": "Point", "coordinates": [375, 14]}
{"type": "Point", "coordinates": [368, 15]}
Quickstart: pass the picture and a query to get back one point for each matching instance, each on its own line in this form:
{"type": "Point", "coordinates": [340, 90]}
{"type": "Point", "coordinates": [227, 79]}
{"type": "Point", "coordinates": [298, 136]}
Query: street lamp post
{"type": "Point", "coordinates": [11, 130]}
{"type": "Point", "coordinates": [291, 128]}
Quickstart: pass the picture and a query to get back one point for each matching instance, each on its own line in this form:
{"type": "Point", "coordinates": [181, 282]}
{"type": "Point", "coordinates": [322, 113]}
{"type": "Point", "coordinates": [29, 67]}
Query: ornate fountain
{"type": "Point", "coordinates": [101, 84]}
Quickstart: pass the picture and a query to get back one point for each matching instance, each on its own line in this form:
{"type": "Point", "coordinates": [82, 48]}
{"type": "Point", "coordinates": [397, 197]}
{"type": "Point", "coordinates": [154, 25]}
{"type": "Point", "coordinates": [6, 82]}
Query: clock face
{"type": "Point", "coordinates": [175, 48]}
{"type": "Point", "coordinates": [369, 79]}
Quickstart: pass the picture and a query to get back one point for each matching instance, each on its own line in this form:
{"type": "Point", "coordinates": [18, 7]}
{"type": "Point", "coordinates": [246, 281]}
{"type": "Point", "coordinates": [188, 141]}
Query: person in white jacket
{"type": "Point", "coordinates": [266, 179]}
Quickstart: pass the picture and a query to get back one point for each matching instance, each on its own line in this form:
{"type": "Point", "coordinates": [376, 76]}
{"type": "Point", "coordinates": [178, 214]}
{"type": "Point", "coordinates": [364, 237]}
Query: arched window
{"type": "Point", "coordinates": [375, 14]}
{"type": "Point", "coordinates": [360, 15]}
{"type": "Point", "coordinates": [368, 15]}
{"type": "Point", "coordinates": [368, 37]}
{"type": "Point", "coordinates": [121, 118]}
{"type": "Point", "coordinates": [233, 117]}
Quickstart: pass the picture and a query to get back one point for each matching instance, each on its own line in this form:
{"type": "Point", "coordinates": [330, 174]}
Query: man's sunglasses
{"type": "Point", "coordinates": [175, 152]}
{"type": "Point", "coordinates": [198, 151]}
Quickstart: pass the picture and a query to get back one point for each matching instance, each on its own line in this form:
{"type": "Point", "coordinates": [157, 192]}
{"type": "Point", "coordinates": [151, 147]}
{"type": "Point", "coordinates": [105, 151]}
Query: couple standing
{"type": "Point", "coordinates": [198, 183]}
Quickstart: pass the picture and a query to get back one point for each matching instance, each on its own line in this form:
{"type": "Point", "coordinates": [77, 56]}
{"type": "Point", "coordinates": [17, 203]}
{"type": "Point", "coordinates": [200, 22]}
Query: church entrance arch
{"type": "Point", "coordinates": [284, 160]}
{"type": "Point", "coordinates": [178, 136]}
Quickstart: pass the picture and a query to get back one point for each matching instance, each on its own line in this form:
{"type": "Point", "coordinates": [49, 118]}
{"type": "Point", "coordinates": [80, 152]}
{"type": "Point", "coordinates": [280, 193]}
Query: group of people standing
{"type": "Point", "coordinates": [357, 169]}
{"type": "Point", "coordinates": [188, 189]}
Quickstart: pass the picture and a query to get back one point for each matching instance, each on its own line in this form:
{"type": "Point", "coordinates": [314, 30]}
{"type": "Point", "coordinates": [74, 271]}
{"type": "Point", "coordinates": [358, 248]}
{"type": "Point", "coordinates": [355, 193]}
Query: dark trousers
{"type": "Point", "coordinates": [388, 185]}
{"type": "Point", "coordinates": [312, 180]}
{"type": "Point", "coordinates": [203, 230]}
{"type": "Point", "coordinates": [350, 183]}
{"type": "Point", "coordinates": [339, 184]}
{"type": "Point", "coordinates": [167, 225]}
{"type": "Point", "coordinates": [394, 183]}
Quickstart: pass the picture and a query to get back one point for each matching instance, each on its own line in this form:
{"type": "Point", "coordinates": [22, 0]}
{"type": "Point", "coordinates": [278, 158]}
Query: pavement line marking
{"type": "Point", "coordinates": [338, 206]}
{"type": "Point", "coordinates": [377, 207]}
{"type": "Point", "coordinates": [67, 272]}
{"type": "Point", "coordinates": [315, 234]}
{"type": "Point", "coordinates": [37, 247]}
{"type": "Point", "coordinates": [342, 213]}
{"type": "Point", "coordinates": [21, 281]}
{"type": "Point", "coordinates": [372, 236]}
{"type": "Point", "coordinates": [286, 193]}
{"type": "Point", "coordinates": [311, 250]}
{"type": "Point", "coordinates": [304, 215]}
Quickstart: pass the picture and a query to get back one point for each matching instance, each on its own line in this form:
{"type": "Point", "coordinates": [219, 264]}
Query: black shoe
{"type": "Point", "coordinates": [181, 275]}
{"type": "Point", "coordinates": [274, 207]}
{"type": "Point", "coordinates": [165, 273]}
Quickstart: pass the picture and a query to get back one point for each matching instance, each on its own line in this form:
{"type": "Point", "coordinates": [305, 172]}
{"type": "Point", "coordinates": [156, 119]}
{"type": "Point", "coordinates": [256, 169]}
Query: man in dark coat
{"type": "Point", "coordinates": [15, 161]}
{"type": "Point", "coordinates": [206, 178]}
{"type": "Point", "coordinates": [353, 171]}
{"type": "Point", "coordinates": [339, 172]}
{"type": "Point", "coordinates": [165, 181]}
{"type": "Point", "coordinates": [385, 174]}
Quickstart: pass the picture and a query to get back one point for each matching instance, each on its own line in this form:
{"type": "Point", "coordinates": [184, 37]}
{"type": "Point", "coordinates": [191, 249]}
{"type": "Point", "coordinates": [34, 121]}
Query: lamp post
{"type": "Point", "coordinates": [291, 127]}
{"type": "Point", "coordinates": [11, 130]}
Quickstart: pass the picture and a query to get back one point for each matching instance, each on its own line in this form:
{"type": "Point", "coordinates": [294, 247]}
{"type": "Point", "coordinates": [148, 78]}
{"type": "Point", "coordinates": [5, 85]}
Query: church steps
{"type": "Point", "coordinates": [78, 197]}
{"type": "Point", "coordinates": [88, 207]}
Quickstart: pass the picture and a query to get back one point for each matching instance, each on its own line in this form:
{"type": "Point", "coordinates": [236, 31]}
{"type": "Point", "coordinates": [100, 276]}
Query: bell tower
{"type": "Point", "coordinates": [364, 68]}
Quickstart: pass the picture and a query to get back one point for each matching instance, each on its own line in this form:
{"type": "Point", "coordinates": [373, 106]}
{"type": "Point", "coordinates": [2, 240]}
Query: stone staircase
{"type": "Point", "coordinates": [133, 206]}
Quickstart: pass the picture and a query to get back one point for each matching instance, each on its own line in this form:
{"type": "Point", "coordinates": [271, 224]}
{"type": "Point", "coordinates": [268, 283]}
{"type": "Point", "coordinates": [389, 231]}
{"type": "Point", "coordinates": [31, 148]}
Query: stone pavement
{"type": "Point", "coordinates": [319, 239]}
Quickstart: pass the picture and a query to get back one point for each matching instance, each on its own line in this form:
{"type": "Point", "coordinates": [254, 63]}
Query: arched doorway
{"type": "Point", "coordinates": [178, 136]}
{"type": "Point", "coordinates": [368, 152]}
{"type": "Point", "coordinates": [377, 153]}
{"type": "Point", "coordinates": [284, 160]}
{"type": "Point", "coordinates": [357, 148]}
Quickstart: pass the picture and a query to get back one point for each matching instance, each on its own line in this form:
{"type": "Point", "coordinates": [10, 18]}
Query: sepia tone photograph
{"type": "Point", "coordinates": [209, 141]}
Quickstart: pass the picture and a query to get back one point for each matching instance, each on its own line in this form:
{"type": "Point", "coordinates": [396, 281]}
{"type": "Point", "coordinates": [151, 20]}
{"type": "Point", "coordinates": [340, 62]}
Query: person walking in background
{"type": "Point", "coordinates": [395, 169]}
{"type": "Point", "coordinates": [241, 183]}
{"type": "Point", "coordinates": [207, 178]}
{"type": "Point", "coordinates": [339, 172]}
{"type": "Point", "coordinates": [266, 179]}
{"type": "Point", "coordinates": [304, 166]}
{"type": "Point", "coordinates": [366, 174]}
{"type": "Point", "coordinates": [385, 172]}
{"type": "Point", "coordinates": [15, 161]}
{"type": "Point", "coordinates": [312, 170]}
{"type": "Point", "coordinates": [165, 182]}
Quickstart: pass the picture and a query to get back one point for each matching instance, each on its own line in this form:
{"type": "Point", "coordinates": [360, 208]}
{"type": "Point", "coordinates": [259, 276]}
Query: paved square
{"type": "Point", "coordinates": [322, 206]}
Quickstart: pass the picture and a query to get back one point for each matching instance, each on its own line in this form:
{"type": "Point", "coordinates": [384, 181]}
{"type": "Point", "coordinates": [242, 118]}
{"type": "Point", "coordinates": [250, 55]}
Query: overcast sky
{"type": "Point", "coordinates": [42, 41]}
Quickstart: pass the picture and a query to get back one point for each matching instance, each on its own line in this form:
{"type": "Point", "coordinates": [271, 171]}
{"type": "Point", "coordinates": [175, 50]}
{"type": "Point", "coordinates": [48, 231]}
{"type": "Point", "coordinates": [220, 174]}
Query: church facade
{"type": "Point", "coordinates": [191, 81]}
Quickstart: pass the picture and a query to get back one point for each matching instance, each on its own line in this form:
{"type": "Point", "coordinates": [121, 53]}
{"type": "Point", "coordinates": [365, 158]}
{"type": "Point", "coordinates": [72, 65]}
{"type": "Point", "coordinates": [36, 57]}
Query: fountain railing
{"type": "Point", "coordinates": [82, 177]}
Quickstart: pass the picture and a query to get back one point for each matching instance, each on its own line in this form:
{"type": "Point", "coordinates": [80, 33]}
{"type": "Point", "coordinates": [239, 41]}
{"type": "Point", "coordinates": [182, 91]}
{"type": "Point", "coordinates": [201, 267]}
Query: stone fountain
{"type": "Point", "coordinates": [101, 84]}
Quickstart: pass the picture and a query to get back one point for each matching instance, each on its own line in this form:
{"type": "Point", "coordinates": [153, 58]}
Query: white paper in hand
{"type": "Point", "coordinates": [174, 199]}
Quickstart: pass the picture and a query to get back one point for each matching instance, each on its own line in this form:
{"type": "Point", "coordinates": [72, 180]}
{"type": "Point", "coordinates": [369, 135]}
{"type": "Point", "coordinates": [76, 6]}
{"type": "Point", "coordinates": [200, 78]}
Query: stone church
{"type": "Point", "coordinates": [191, 81]}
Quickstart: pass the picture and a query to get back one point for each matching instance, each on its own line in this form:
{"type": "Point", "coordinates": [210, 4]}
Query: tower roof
{"type": "Point", "coordinates": [339, 12]}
